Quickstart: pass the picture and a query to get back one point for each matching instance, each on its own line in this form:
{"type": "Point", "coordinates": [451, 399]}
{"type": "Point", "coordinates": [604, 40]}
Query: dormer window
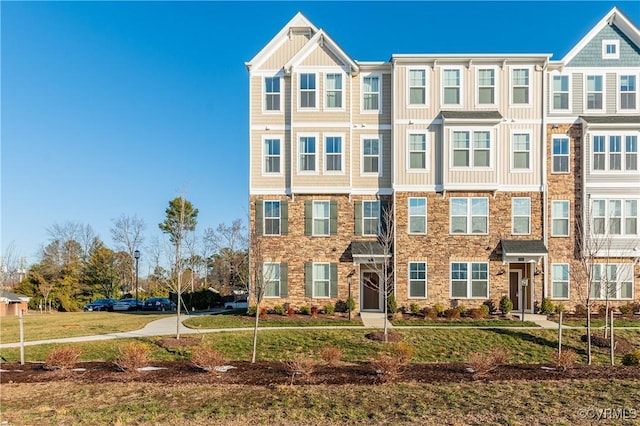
{"type": "Point", "coordinates": [610, 49]}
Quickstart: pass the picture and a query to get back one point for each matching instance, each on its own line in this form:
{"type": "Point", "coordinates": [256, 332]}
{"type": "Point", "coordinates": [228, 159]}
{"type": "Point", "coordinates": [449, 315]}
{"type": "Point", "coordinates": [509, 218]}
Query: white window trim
{"type": "Point", "coordinates": [469, 216]}
{"type": "Point", "coordinates": [568, 234]}
{"type": "Point", "coordinates": [568, 155]}
{"type": "Point", "coordinates": [318, 152]}
{"type": "Point", "coordinates": [530, 86]}
{"type": "Point", "coordinates": [427, 159]}
{"type": "Point", "coordinates": [586, 92]}
{"type": "Point", "coordinates": [471, 130]}
{"type": "Point", "coordinates": [299, 90]}
{"type": "Point", "coordinates": [426, 280]}
{"type": "Point", "coordinates": [607, 217]}
{"type": "Point", "coordinates": [271, 265]}
{"type": "Point", "coordinates": [380, 87]}
{"type": "Point", "coordinates": [568, 282]}
{"type": "Point", "coordinates": [264, 94]}
{"type": "Point", "coordinates": [469, 281]}
{"type": "Point", "coordinates": [380, 152]}
{"type": "Point", "coordinates": [325, 91]}
{"type": "Point", "coordinates": [426, 222]}
{"type": "Point", "coordinates": [313, 218]}
{"type": "Point", "coordinates": [607, 152]}
{"type": "Point", "coordinates": [513, 216]}
{"type": "Point", "coordinates": [552, 92]}
{"type": "Point", "coordinates": [426, 87]}
{"type": "Point", "coordinates": [606, 43]}
{"type": "Point", "coordinates": [369, 217]}
{"type": "Point", "coordinates": [324, 155]}
{"type": "Point", "coordinates": [263, 155]}
{"type": "Point", "coordinates": [512, 167]}
{"type": "Point", "coordinates": [619, 75]}
{"type": "Point", "coordinates": [628, 267]}
{"type": "Point", "coordinates": [264, 218]}
{"type": "Point", "coordinates": [313, 280]}
{"type": "Point", "coordinates": [461, 87]}
{"type": "Point", "coordinates": [496, 86]}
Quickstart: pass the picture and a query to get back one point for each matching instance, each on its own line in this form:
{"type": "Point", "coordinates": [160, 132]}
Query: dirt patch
{"type": "Point", "coordinates": [392, 336]}
{"type": "Point", "coordinates": [621, 346]}
{"type": "Point", "coordinates": [173, 343]}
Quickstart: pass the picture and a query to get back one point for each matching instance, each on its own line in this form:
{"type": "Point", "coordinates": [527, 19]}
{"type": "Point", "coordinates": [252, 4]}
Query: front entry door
{"type": "Point", "coordinates": [514, 289]}
{"type": "Point", "coordinates": [370, 291]}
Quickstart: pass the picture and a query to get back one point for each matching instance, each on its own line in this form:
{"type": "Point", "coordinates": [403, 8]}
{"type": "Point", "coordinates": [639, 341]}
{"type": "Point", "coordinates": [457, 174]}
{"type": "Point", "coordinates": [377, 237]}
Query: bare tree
{"type": "Point", "coordinates": [257, 284]}
{"type": "Point", "coordinates": [128, 234]}
{"type": "Point", "coordinates": [230, 244]}
{"type": "Point", "coordinates": [13, 267]}
{"type": "Point", "coordinates": [73, 231]}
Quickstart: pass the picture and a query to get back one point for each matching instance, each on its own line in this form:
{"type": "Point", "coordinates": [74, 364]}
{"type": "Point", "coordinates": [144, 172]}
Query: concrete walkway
{"type": "Point", "coordinates": [374, 320]}
{"type": "Point", "coordinates": [539, 320]}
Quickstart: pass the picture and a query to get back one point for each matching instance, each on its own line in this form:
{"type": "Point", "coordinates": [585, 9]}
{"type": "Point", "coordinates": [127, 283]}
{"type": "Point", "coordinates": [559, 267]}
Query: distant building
{"type": "Point", "coordinates": [12, 303]}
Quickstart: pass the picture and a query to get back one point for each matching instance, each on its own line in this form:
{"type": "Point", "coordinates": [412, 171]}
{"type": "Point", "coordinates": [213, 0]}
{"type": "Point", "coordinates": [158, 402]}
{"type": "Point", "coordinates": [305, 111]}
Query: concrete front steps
{"type": "Point", "coordinates": [374, 320]}
{"type": "Point", "coordinates": [540, 320]}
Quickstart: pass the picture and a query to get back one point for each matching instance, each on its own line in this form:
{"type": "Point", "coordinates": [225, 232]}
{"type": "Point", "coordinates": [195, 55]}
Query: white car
{"type": "Point", "coordinates": [238, 304]}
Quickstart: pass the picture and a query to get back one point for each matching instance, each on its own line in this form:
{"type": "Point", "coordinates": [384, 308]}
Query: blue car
{"type": "Point", "coordinates": [159, 304]}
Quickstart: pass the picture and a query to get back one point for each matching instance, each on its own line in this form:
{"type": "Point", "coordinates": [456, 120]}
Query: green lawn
{"type": "Point", "coordinates": [237, 320]}
{"type": "Point", "coordinates": [420, 322]}
{"type": "Point", "coordinates": [597, 322]}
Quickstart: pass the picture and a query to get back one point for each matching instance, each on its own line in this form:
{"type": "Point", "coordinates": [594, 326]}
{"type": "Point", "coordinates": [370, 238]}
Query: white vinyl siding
{"type": "Point", "coordinates": [417, 280]}
{"type": "Point", "coordinates": [469, 215]}
{"type": "Point", "coordinates": [469, 280]}
{"type": "Point", "coordinates": [521, 215]}
{"type": "Point", "coordinates": [417, 215]}
{"type": "Point", "coordinates": [560, 218]}
{"type": "Point", "coordinates": [560, 280]}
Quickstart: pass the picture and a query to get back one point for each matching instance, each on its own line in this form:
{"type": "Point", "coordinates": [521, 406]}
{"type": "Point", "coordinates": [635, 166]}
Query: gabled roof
{"type": "Point", "coordinates": [614, 17]}
{"type": "Point", "coordinates": [523, 248]}
{"type": "Point", "coordinates": [322, 39]}
{"type": "Point", "coordinates": [8, 296]}
{"type": "Point", "coordinates": [298, 21]}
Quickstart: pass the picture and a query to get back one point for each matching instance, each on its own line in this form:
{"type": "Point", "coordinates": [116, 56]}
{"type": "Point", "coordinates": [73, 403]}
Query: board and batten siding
{"type": "Point", "coordinates": [577, 92]}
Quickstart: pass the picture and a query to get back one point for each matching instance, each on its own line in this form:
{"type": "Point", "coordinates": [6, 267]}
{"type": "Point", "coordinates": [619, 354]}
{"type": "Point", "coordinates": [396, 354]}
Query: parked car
{"type": "Point", "coordinates": [100, 305]}
{"type": "Point", "coordinates": [237, 304]}
{"type": "Point", "coordinates": [159, 304]}
{"type": "Point", "coordinates": [127, 305]}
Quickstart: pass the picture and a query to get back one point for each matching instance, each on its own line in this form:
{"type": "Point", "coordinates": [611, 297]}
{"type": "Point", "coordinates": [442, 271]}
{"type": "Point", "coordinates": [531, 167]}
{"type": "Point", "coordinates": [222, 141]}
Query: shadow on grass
{"type": "Point", "coordinates": [542, 341]}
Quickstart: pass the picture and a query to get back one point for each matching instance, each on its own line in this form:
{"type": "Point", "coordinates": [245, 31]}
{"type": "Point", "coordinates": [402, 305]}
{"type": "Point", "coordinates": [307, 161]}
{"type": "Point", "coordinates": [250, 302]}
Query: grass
{"type": "Point", "coordinates": [72, 324]}
{"type": "Point", "coordinates": [227, 320]}
{"type": "Point", "coordinates": [597, 322]}
{"type": "Point", "coordinates": [513, 402]}
{"type": "Point", "coordinates": [420, 322]}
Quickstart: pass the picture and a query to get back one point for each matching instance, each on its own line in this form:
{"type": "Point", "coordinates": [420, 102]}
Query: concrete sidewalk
{"type": "Point", "coordinates": [374, 320]}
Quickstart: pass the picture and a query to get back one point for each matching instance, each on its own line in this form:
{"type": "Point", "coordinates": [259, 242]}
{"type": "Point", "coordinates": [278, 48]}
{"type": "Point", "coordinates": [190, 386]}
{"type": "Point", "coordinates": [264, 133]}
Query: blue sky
{"type": "Point", "coordinates": [112, 108]}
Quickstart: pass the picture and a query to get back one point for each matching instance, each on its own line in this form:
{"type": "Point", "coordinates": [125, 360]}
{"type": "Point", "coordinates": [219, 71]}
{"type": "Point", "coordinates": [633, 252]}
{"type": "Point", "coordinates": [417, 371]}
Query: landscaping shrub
{"type": "Point", "coordinates": [565, 359]}
{"type": "Point", "coordinates": [626, 309]}
{"type": "Point", "coordinates": [132, 356]}
{"type": "Point", "coordinates": [483, 363]}
{"type": "Point", "coordinates": [302, 365]}
{"type": "Point", "coordinates": [62, 358]}
{"type": "Point", "coordinates": [351, 304]}
{"type": "Point", "coordinates": [439, 308]}
{"type": "Point", "coordinates": [485, 310]}
{"type": "Point", "coordinates": [206, 358]}
{"type": "Point", "coordinates": [403, 351]}
{"type": "Point", "coordinates": [506, 305]}
{"type": "Point", "coordinates": [252, 310]}
{"type": "Point", "coordinates": [278, 310]}
{"type": "Point", "coordinates": [580, 310]}
{"type": "Point", "coordinates": [331, 355]}
{"type": "Point", "coordinates": [392, 306]}
{"type": "Point", "coordinates": [314, 311]}
{"type": "Point", "coordinates": [452, 313]}
{"type": "Point", "coordinates": [414, 308]}
{"type": "Point", "coordinates": [546, 307]}
{"type": "Point", "coordinates": [559, 308]}
{"type": "Point", "coordinates": [602, 310]}
{"type": "Point", "coordinates": [263, 312]}
{"type": "Point", "coordinates": [476, 313]}
{"type": "Point", "coordinates": [491, 306]}
{"type": "Point", "coordinates": [462, 309]}
{"type": "Point", "coordinates": [632, 358]}
{"type": "Point", "coordinates": [430, 313]}
{"type": "Point", "coordinates": [291, 312]}
{"type": "Point", "coordinates": [305, 310]}
{"type": "Point", "coordinates": [329, 309]}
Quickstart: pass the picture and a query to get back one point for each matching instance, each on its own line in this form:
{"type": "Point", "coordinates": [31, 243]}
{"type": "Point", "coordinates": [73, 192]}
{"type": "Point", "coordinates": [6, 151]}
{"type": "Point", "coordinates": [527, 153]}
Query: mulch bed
{"type": "Point", "coordinates": [278, 373]}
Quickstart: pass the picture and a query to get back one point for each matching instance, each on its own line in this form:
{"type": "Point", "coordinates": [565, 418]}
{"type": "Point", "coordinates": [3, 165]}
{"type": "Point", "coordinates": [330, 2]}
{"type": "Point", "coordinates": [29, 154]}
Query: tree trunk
{"type": "Point", "coordinates": [588, 333]}
{"type": "Point", "coordinates": [606, 316]}
{"type": "Point", "coordinates": [255, 334]}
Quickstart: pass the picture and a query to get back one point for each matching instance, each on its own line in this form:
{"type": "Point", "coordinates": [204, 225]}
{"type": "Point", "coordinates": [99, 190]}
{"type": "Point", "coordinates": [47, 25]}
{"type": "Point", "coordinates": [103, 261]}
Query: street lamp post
{"type": "Point", "coordinates": [136, 255]}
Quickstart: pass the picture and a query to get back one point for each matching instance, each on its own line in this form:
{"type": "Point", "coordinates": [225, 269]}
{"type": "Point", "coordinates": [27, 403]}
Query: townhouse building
{"type": "Point", "coordinates": [481, 165]}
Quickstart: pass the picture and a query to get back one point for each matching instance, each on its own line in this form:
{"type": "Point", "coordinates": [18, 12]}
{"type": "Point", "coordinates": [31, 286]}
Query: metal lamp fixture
{"type": "Point", "coordinates": [136, 255]}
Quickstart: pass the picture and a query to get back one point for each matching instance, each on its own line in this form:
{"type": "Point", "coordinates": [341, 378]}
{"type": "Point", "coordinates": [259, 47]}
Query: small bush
{"type": "Point", "coordinates": [632, 358]}
{"type": "Point", "coordinates": [491, 306]}
{"type": "Point", "coordinates": [626, 309]}
{"type": "Point", "coordinates": [483, 363]}
{"type": "Point", "coordinates": [351, 304]}
{"type": "Point", "coordinates": [506, 305]}
{"type": "Point", "coordinates": [546, 307]}
{"type": "Point", "coordinates": [331, 355]}
{"type": "Point", "coordinates": [132, 356]}
{"type": "Point", "coordinates": [485, 310]}
{"type": "Point", "coordinates": [314, 311]}
{"type": "Point", "coordinates": [302, 366]}
{"type": "Point", "coordinates": [62, 358]}
{"type": "Point", "coordinates": [602, 310]}
{"type": "Point", "coordinates": [278, 310]}
{"type": "Point", "coordinates": [580, 310]}
{"type": "Point", "coordinates": [206, 358]}
{"type": "Point", "coordinates": [414, 308]}
{"type": "Point", "coordinates": [476, 313]}
{"type": "Point", "coordinates": [430, 313]}
{"type": "Point", "coordinates": [291, 312]}
{"type": "Point", "coordinates": [462, 309]}
{"type": "Point", "coordinates": [305, 310]}
{"type": "Point", "coordinates": [403, 351]}
{"type": "Point", "coordinates": [452, 313]}
{"type": "Point", "coordinates": [329, 309]}
{"type": "Point", "coordinates": [565, 359]}
{"type": "Point", "coordinates": [252, 310]}
{"type": "Point", "coordinates": [559, 308]}
{"type": "Point", "coordinates": [439, 308]}
{"type": "Point", "coordinates": [392, 306]}
{"type": "Point", "coordinates": [263, 312]}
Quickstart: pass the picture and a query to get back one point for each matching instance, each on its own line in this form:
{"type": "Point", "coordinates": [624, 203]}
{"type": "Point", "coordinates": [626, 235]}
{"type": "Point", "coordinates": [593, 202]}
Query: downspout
{"type": "Point", "coordinates": [392, 175]}
{"type": "Point", "coordinates": [545, 188]}
{"type": "Point", "coordinates": [250, 184]}
{"type": "Point", "coordinates": [351, 134]}
{"type": "Point", "coordinates": [291, 141]}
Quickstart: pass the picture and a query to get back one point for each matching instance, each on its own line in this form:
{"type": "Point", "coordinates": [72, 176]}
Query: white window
{"type": "Point", "coordinates": [471, 149]}
{"type": "Point", "coordinates": [333, 89]}
{"type": "Point", "coordinates": [486, 86]}
{"type": "Point", "coordinates": [521, 151]}
{"type": "Point", "coordinates": [469, 215]}
{"type": "Point", "coordinates": [333, 153]}
{"type": "Point", "coordinates": [628, 92]}
{"type": "Point", "coordinates": [614, 152]}
{"type": "Point", "coordinates": [307, 153]}
{"type": "Point", "coordinates": [560, 156]}
{"type": "Point", "coordinates": [417, 280]}
{"type": "Point", "coordinates": [595, 92]}
{"type": "Point", "coordinates": [560, 280]}
{"type": "Point", "coordinates": [560, 87]}
{"type": "Point", "coordinates": [417, 215]}
{"type": "Point", "coordinates": [371, 155]}
{"type": "Point", "coordinates": [614, 217]}
{"type": "Point", "coordinates": [272, 93]}
{"type": "Point", "coordinates": [599, 153]}
{"type": "Point", "coordinates": [631, 217]}
{"type": "Point", "coordinates": [417, 87]}
{"type": "Point", "coordinates": [271, 155]}
{"type": "Point", "coordinates": [599, 215]}
{"type": "Point", "coordinates": [307, 90]}
{"type": "Point", "coordinates": [451, 87]}
{"type": "Point", "coordinates": [612, 281]}
{"type": "Point", "coordinates": [321, 280]}
{"type": "Point", "coordinates": [610, 49]}
{"type": "Point", "coordinates": [631, 152]}
{"type": "Point", "coordinates": [271, 279]}
{"type": "Point", "coordinates": [560, 218]}
{"type": "Point", "coordinates": [370, 217]}
{"type": "Point", "coordinates": [371, 93]}
{"type": "Point", "coordinates": [321, 218]}
{"type": "Point", "coordinates": [469, 280]}
{"type": "Point", "coordinates": [417, 151]}
{"type": "Point", "coordinates": [521, 215]}
{"type": "Point", "coordinates": [520, 86]}
{"type": "Point", "coordinates": [271, 224]}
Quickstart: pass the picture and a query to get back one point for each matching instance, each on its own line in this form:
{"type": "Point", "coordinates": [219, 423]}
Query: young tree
{"type": "Point", "coordinates": [180, 220]}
